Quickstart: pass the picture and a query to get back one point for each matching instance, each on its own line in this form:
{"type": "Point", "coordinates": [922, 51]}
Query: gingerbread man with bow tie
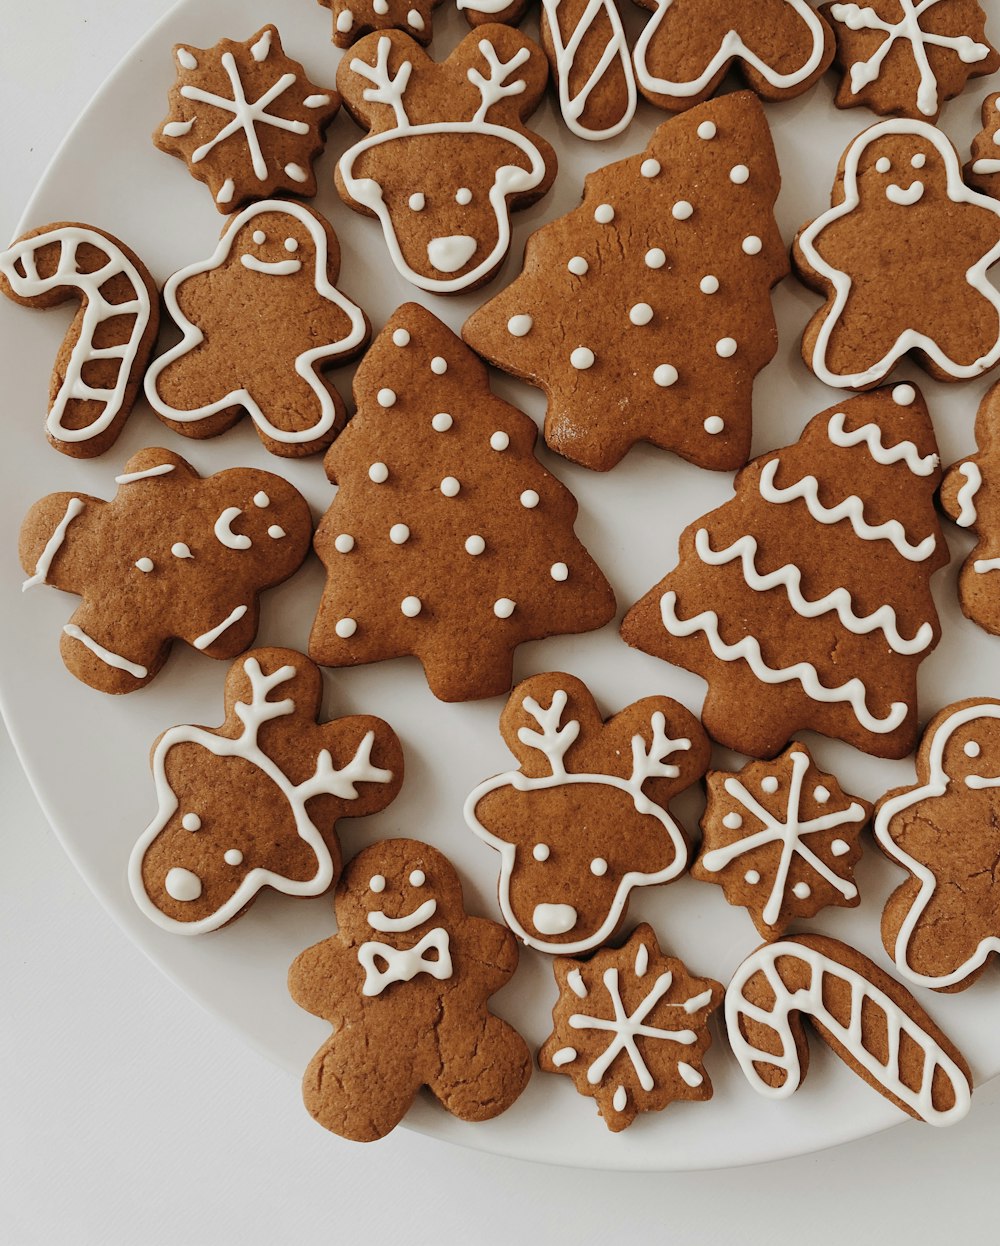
{"type": "Point", "coordinates": [405, 984]}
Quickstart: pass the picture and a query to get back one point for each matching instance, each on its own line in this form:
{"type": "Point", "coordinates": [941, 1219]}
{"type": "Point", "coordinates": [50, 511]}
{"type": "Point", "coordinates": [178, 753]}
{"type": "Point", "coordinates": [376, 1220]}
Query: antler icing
{"type": "Point", "coordinates": [492, 89]}
{"type": "Point", "coordinates": [552, 740]}
{"type": "Point", "coordinates": [328, 781]}
{"type": "Point", "coordinates": [650, 762]}
{"type": "Point", "coordinates": [387, 89]}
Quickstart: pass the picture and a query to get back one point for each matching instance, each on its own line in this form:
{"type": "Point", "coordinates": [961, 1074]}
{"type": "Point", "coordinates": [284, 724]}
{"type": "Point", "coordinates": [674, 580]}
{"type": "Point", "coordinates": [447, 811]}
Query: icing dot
{"type": "Point", "coordinates": [145, 564]}
{"type": "Point", "coordinates": [582, 358]}
{"type": "Point", "coordinates": [261, 500]}
{"type": "Point", "coordinates": [463, 195]}
{"type": "Point", "coordinates": [418, 878]}
{"type": "Point", "coordinates": [233, 856]}
{"type": "Point", "coordinates": [399, 534]}
{"type": "Point", "coordinates": [474, 545]}
{"type": "Point", "coordinates": [598, 867]}
{"type": "Point", "coordinates": [411, 606]}
{"type": "Point", "coordinates": [904, 395]}
{"type": "Point", "coordinates": [739, 174]}
{"type": "Point", "coordinates": [529, 499]}
{"type": "Point", "coordinates": [415, 20]}
{"type": "Point", "coordinates": [752, 245]}
{"type": "Point", "coordinates": [499, 441]}
{"type": "Point", "coordinates": [709, 285]}
{"type": "Point", "coordinates": [682, 210]}
{"type": "Point", "coordinates": [400, 337]}
{"type": "Point", "coordinates": [802, 890]}
{"type": "Point", "coordinates": [182, 885]}
{"type": "Point", "coordinates": [345, 628]}
{"type": "Point", "coordinates": [769, 784]}
{"type": "Point", "coordinates": [883, 164]}
{"type": "Point", "coordinates": [725, 348]}
{"type": "Point", "coordinates": [417, 202]}
{"type": "Point", "coordinates": [344, 543]}
{"type": "Point", "coordinates": [604, 214]}
{"type": "Point", "coordinates": [752, 877]}
{"type": "Point", "coordinates": [439, 366]}
{"type": "Point", "coordinates": [665, 375]}
{"type": "Point", "coordinates": [649, 168]}
{"type": "Point", "coordinates": [259, 237]}
{"type": "Point", "coordinates": [707, 130]}
{"type": "Point", "coordinates": [578, 266]}
{"type": "Point", "coordinates": [518, 326]}
{"type": "Point", "coordinates": [839, 847]}
{"type": "Point", "coordinates": [345, 20]}
{"type": "Point", "coordinates": [180, 550]}
{"type": "Point", "coordinates": [377, 883]}
{"type": "Point", "coordinates": [187, 59]}
{"type": "Point", "coordinates": [503, 607]}
{"type": "Point", "coordinates": [620, 1101]}
{"type": "Point", "coordinates": [559, 571]}
{"type": "Point", "coordinates": [655, 258]}
{"type": "Point", "coordinates": [972, 749]}
{"type": "Point", "coordinates": [191, 822]}
{"type": "Point", "coordinates": [540, 852]}
{"type": "Point", "coordinates": [450, 487]}
{"type": "Point", "coordinates": [386, 398]}
{"type": "Point", "coordinates": [919, 160]}
{"type": "Point", "coordinates": [378, 473]}
{"type": "Point", "coordinates": [821, 795]}
{"type": "Point", "coordinates": [275, 532]}
{"type": "Point", "coordinates": [381, 7]}
{"type": "Point", "coordinates": [291, 245]}
{"type": "Point", "coordinates": [714, 425]}
{"type": "Point", "coordinates": [442, 422]}
{"type": "Point", "coordinates": [640, 314]}
{"type": "Point", "coordinates": [733, 821]}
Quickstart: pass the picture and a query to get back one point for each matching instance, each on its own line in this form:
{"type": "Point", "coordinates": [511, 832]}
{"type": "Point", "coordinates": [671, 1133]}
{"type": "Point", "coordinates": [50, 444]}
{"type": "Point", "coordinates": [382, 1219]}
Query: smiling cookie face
{"type": "Point", "coordinates": [901, 170]}
{"type": "Point", "coordinates": [396, 893]}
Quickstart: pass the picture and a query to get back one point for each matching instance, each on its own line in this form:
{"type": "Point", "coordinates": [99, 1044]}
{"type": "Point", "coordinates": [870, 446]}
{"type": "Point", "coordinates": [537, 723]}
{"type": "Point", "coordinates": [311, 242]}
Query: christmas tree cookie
{"type": "Point", "coordinates": [645, 313]}
{"type": "Point", "coordinates": [805, 600]}
{"type": "Point", "coordinates": [447, 538]}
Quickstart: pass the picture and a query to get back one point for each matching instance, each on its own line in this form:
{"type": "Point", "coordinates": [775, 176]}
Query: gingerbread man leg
{"type": "Point", "coordinates": [356, 1089]}
{"type": "Point", "coordinates": [481, 1075]}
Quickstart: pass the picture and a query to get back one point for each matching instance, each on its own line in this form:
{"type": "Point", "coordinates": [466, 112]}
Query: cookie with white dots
{"type": "Point", "coordinates": [781, 839]}
{"type": "Point", "coordinates": [447, 539]}
{"type": "Point", "coordinates": [645, 314]}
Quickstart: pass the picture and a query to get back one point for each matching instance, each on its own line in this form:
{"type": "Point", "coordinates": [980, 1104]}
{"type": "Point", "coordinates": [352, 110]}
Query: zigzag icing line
{"type": "Point", "coordinates": [871, 435]}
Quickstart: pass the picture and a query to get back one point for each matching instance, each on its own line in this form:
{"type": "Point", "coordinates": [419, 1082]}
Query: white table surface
{"type": "Point", "coordinates": [128, 1117]}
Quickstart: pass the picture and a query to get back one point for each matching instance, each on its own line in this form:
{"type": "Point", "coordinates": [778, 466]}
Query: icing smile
{"type": "Point", "coordinates": [905, 198]}
{"type": "Point", "coordinates": [399, 925]}
{"type": "Point", "coordinates": [279, 268]}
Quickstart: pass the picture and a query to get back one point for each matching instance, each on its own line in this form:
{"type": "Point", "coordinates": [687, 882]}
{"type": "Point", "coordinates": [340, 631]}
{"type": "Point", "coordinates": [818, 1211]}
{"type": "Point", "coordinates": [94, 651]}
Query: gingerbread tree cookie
{"type": "Point", "coordinates": [172, 556]}
{"type": "Point", "coordinates": [591, 64]}
{"type": "Point", "coordinates": [246, 119]}
{"type": "Point", "coordinates": [902, 258]}
{"type": "Point", "coordinates": [448, 156]}
{"type": "Point", "coordinates": [255, 802]}
{"type": "Point", "coordinates": [805, 600]}
{"type": "Point", "coordinates": [585, 818]}
{"type": "Point", "coordinates": [447, 538]}
{"type": "Point", "coordinates": [405, 984]}
{"type": "Point", "coordinates": [906, 57]}
{"type": "Point", "coordinates": [353, 19]}
{"type": "Point", "coordinates": [983, 171]}
{"type": "Point", "coordinates": [630, 1027]}
{"type": "Point", "coordinates": [280, 259]}
{"type": "Point", "coordinates": [782, 839]}
{"type": "Point", "coordinates": [656, 290]}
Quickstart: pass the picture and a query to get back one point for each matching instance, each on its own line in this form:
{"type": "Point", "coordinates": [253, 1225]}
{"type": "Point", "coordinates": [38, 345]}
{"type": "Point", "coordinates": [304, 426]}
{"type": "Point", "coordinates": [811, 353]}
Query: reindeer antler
{"type": "Point", "coordinates": [552, 740]}
{"type": "Point", "coordinates": [491, 89]}
{"type": "Point", "coordinates": [387, 89]}
{"type": "Point", "coordinates": [328, 781]}
{"type": "Point", "coordinates": [650, 762]}
{"type": "Point", "coordinates": [261, 710]}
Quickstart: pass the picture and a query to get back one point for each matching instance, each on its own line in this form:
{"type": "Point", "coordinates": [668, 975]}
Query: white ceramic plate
{"type": "Point", "coordinates": [86, 754]}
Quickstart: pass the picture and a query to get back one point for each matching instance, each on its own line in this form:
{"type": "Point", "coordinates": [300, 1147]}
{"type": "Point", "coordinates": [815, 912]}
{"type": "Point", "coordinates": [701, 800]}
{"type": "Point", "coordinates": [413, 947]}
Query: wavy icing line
{"type": "Point", "coordinates": [871, 435]}
{"type": "Point", "coordinates": [967, 514]}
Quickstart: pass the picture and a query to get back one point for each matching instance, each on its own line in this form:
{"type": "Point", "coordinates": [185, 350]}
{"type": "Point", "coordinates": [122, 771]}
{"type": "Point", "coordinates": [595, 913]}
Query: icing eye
{"type": "Point", "coordinates": [418, 878]}
{"type": "Point", "coordinates": [540, 852]}
{"type": "Point", "coordinates": [417, 202]}
{"type": "Point", "coordinates": [191, 821]}
{"type": "Point", "coordinates": [377, 884]}
{"type": "Point", "coordinates": [233, 856]}
{"type": "Point", "coordinates": [919, 160]}
{"type": "Point", "coordinates": [259, 237]}
{"type": "Point", "coordinates": [598, 867]}
{"type": "Point", "coordinates": [883, 164]}
{"type": "Point", "coordinates": [972, 749]}
{"type": "Point", "coordinates": [291, 244]}
{"type": "Point", "coordinates": [463, 195]}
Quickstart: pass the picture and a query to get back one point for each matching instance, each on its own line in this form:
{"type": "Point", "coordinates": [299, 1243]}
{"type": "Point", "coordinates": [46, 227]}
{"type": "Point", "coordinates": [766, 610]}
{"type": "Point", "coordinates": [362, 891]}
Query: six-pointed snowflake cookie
{"type": "Point", "coordinates": [353, 19]}
{"type": "Point", "coordinates": [983, 170]}
{"type": "Point", "coordinates": [254, 803]}
{"type": "Point", "coordinates": [584, 819]}
{"type": "Point", "coordinates": [782, 839]}
{"type": "Point", "coordinates": [630, 1027]}
{"type": "Point", "coordinates": [246, 119]}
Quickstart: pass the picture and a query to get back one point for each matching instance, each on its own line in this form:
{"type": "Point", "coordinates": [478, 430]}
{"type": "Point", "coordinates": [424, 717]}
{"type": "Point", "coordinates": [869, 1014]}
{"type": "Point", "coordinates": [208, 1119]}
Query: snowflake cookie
{"type": "Point", "coordinates": [405, 983]}
{"type": "Point", "coordinates": [782, 839]}
{"type": "Point", "coordinates": [906, 57]}
{"type": "Point", "coordinates": [246, 119]}
{"type": "Point", "coordinates": [173, 556]}
{"type": "Point", "coordinates": [864, 1016]}
{"type": "Point", "coordinates": [353, 19]}
{"type": "Point", "coordinates": [983, 170]}
{"type": "Point", "coordinates": [630, 1027]}
{"type": "Point", "coordinates": [902, 258]}
{"type": "Point", "coordinates": [585, 818]}
{"type": "Point", "coordinates": [254, 803]}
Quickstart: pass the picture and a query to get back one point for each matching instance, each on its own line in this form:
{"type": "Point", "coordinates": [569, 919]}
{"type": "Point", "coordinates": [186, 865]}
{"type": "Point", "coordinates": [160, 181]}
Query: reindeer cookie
{"type": "Point", "coordinates": [261, 320]}
{"type": "Point", "coordinates": [447, 157]}
{"type": "Point", "coordinates": [254, 803]}
{"type": "Point", "coordinates": [584, 819]}
{"type": "Point", "coordinates": [405, 984]}
{"type": "Point", "coordinates": [99, 367]}
{"type": "Point", "coordinates": [174, 555]}
{"type": "Point", "coordinates": [353, 19]}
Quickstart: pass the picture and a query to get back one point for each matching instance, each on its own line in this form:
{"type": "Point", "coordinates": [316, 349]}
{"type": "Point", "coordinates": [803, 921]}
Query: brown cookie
{"type": "Point", "coordinates": [781, 48]}
{"type": "Point", "coordinates": [929, 298]}
{"type": "Point", "coordinates": [591, 66]}
{"type": "Point", "coordinates": [261, 320]}
{"type": "Point", "coordinates": [246, 119]}
{"type": "Point", "coordinates": [481, 12]}
{"type": "Point", "coordinates": [447, 539]}
{"type": "Point", "coordinates": [646, 312]}
{"type": "Point", "coordinates": [255, 801]}
{"type": "Point", "coordinates": [405, 984]}
{"type": "Point", "coordinates": [100, 364]}
{"type": "Point", "coordinates": [782, 839]}
{"type": "Point", "coordinates": [630, 1027]}
{"type": "Point", "coordinates": [868, 1020]}
{"type": "Point", "coordinates": [448, 156]}
{"type": "Point", "coordinates": [172, 556]}
{"type": "Point", "coordinates": [904, 58]}
{"type": "Point", "coordinates": [983, 171]}
{"type": "Point", "coordinates": [941, 926]}
{"type": "Point", "coordinates": [584, 819]}
{"type": "Point", "coordinates": [353, 19]}
{"type": "Point", "coordinates": [805, 600]}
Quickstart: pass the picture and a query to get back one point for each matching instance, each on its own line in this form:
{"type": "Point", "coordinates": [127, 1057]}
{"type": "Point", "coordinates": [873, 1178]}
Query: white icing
{"type": "Point", "coordinates": [417, 202]}
{"type": "Point", "coordinates": [709, 285]}
{"type": "Point", "coordinates": [346, 628]}
{"type": "Point", "coordinates": [451, 487]}
{"type": "Point", "coordinates": [575, 982]}
{"type": "Point", "coordinates": [655, 257]}
{"type": "Point", "coordinates": [180, 550]}
{"type": "Point", "coordinates": [414, 19]}
{"type": "Point", "coordinates": [650, 168]}
{"type": "Point", "coordinates": [641, 961]}
{"type": "Point", "coordinates": [233, 856]}
{"type": "Point", "coordinates": [177, 129]}
{"type": "Point", "coordinates": [441, 422]}
{"type": "Point", "coordinates": [182, 885]}
{"type": "Point", "coordinates": [385, 398]}
{"type": "Point", "coordinates": [665, 375]}
{"type": "Point", "coordinates": [377, 883]}
{"type": "Point", "coordinates": [802, 891]}
{"type": "Point", "coordinates": [752, 245]}
{"type": "Point", "coordinates": [559, 572]}
{"type": "Point", "coordinates": [400, 337]}
{"type": "Point", "coordinates": [145, 565]}
{"type": "Point", "coordinates": [411, 606]}
{"type": "Point", "coordinates": [417, 878]}
{"type": "Point", "coordinates": [191, 822]}
{"type": "Point", "coordinates": [582, 358]}
{"type": "Point", "coordinates": [399, 534]}
{"type": "Point", "coordinates": [439, 366]}
{"type": "Point", "coordinates": [739, 174]}
{"type": "Point", "coordinates": [344, 543]}
{"type": "Point", "coordinates": [499, 441]}
{"type": "Point", "coordinates": [578, 266]}
{"type": "Point", "coordinates": [565, 1055]}
{"type": "Point", "coordinates": [967, 514]}
{"type": "Point", "coordinates": [186, 59]}
{"type": "Point", "coordinates": [726, 347]}
{"type": "Point", "coordinates": [614, 57]}
{"type": "Point", "coordinates": [261, 49]}
{"type": "Point", "coordinates": [504, 607]}
{"type": "Point", "coordinates": [275, 532]}
{"type": "Point", "coordinates": [604, 214]}
{"type": "Point", "coordinates": [640, 314]}
{"type": "Point", "coordinates": [130, 477]}
{"type": "Point", "coordinates": [475, 545]}
{"type": "Point", "coordinates": [905, 197]}
{"type": "Point", "coordinates": [378, 473]}
{"type": "Point", "coordinates": [211, 636]}
{"type": "Point", "coordinates": [598, 867]}
{"type": "Point", "coordinates": [261, 500]}
{"type": "Point", "coordinates": [296, 172]}
{"type": "Point", "coordinates": [345, 20]}
{"type": "Point", "coordinates": [540, 852]}
{"type": "Point", "coordinates": [682, 210]}
{"type": "Point", "coordinates": [529, 499]}
{"type": "Point", "coordinates": [224, 530]}
{"type": "Point", "coordinates": [54, 544]}
{"type": "Point", "coordinates": [519, 326]}
{"type": "Point", "coordinates": [403, 965]}
{"type": "Point", "coordinates": [553, 919]}
{"type": "Point", "coordinates": [714, 425]}
{"type": "Point", "coordinates": [316, 101]}
{"type": "Point", "coordinates": [689, 1073]}
{"type": "Point", "coordinates": [106, 655]}
{"type": "Point", "coordinates": [619, 1100]}
{"type": "Point", "coordinates": [871, 436]}
{"type": "Point", "coordinates": [401, 925]}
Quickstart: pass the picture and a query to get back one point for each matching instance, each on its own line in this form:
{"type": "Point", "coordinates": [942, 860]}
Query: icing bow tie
{"type": "Point", "coordinates": [401, 965]}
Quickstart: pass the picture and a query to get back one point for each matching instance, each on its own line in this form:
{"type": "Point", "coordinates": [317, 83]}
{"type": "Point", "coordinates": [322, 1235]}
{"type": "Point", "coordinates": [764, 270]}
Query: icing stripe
{"type": "Point", "coordinates": [106, 655]}
{"type": "Point", "coordinates": [982, 565]}
{"type": "Point", "coordinates": [129, 477]}
{"type": "Point", "coordinates": [871, 435]}
{"type": "Point", "coordinates": [573, 106]}
{"type": "Point", "coordinates": [53, 545]}
{"type": "Point", "coordinates": [966, 495]}
{"type": "Point", "coordinates": [209, 638]}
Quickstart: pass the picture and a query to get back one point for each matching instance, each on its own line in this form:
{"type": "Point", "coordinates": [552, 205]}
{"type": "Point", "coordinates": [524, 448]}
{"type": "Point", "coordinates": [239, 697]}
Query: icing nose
{"type": "Point", "coordinates": [450, 254]}
{"type": "Point", "coordinates": [554, 919]}
{"type": "Point", "coordinates": [182, 884]}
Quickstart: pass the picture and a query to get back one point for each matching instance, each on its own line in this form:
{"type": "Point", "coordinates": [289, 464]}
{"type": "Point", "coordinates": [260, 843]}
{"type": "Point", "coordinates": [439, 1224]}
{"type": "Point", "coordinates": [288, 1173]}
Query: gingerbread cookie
{"type": "Point", "coordinates": [353, 19]}
{"type": "Point", "coordinates": [173, 556]}
{"type": "Point", "coordinates": [781, 48]}
{"type": "Point", "coordinates": [867, 1019]}
{"type": "Point", "coordinates": [99, 367]}
{"type": "Point", "coordinates": [932, 298]}
{"type": "Point", "coordinates": [941, 925]}
{"type": "Point", "coordinates": [584, 819]}
{"type": "Point", "coordinates": [781, 839]}
{"type": "Point", "coordinates": [447, 539]}
{"type": "Point", "coordinates": [646, 312]}
{"type": "Point", "coordinates": [261, 320]}
{"type": "Point", "coordinates": [906, 57]}
{"type": "Point", "coordinates": [819, 569]}
{"type": "Point", "coordinates": [630, 1027]}
{"type": "Point", "coordinates": [448, 156]}
{"type": "Point", "coordinates": [405, 984]}
{"type": "Point", "coordinates": [481, 12]}
{"type": "Point", "coordinates": [983, 171]}
{"type": "Point", "coordinates": [246, 119]}
{"type": "Point", "coordinates": [254, 803]}
{"type": "Point", "coordinates": [591, 65]}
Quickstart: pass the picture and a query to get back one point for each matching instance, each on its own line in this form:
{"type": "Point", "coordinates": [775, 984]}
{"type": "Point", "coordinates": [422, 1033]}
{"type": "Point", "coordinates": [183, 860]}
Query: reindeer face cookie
{"type": "Point", "coordinates": [584, 819]}
{"type": "Point", "coordinates": [405, 983]}
{"type": "Point", "coordinates": [447, 158]}
{"type": "Point", "coordinates": [254, 803]}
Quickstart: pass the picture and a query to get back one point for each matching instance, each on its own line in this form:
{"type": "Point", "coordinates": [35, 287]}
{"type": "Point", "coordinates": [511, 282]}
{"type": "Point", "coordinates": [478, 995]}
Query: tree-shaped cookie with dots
{"type": "Point", "coordinates": [805, 600]}
{"type": "Point", "coordinates": [447, 539]}
{"type": "Point", "coordinates": [655, 290]}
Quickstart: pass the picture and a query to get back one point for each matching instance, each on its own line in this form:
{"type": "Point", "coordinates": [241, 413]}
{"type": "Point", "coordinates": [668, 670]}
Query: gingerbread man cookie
{"type": "Point", "coordinates": [930, 297]}
{"type": "Point", "coordinates": [585, 818]}
{"type": "Point", "coordinates": [353, 19]}
{"type": "Point", "coordinates": [448, 156]}
{"type": "Point", "coordinates": [261, 320]}
{"type": "Point", "coordinates": [631, 1029]}
{"type": "Point", "coordinates": [173, 556]}
{"type": "Point", "coordinates": [405, 984]}
{"type": "Point", "coordinates": [983, 171]}
{"type": "Point", "coordinates": [99, 367]}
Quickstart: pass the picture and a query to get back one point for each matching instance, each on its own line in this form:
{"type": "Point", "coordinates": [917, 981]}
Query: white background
{"type": "Point", "coordinates": [128, 1117]}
